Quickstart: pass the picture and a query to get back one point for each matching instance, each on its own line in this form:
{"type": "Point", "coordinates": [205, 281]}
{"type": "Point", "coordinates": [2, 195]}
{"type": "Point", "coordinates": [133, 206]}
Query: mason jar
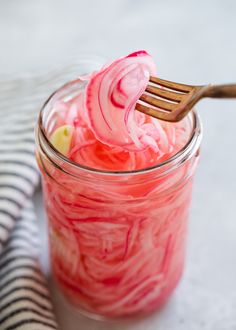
{"type": "Point", "coordinates": [117, 239]}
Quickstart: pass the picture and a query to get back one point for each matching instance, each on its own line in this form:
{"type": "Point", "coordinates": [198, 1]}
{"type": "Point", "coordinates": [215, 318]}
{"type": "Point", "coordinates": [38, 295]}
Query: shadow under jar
{"type": "Point", "coordinates": [117, 239]}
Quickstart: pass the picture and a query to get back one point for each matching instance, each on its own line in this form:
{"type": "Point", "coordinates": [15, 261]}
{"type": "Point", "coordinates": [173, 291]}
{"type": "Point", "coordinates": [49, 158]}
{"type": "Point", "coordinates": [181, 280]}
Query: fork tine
{"type": "Point", "coordinates": [164, 105]}
{"type": "Point", "coordinates": [172, 96]}
{"type": "Point", "coordinates": [163, 115]}
{"type": "Point", "coordinates": [172, 85]}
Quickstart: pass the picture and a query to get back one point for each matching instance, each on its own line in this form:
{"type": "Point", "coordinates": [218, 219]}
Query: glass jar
{"type": "Point", "coordinates": [117, 239]}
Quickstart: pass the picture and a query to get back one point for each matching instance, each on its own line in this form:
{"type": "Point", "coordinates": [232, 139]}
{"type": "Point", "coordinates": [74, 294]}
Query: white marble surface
{"type": "Point", "coordinates": [194, 42]}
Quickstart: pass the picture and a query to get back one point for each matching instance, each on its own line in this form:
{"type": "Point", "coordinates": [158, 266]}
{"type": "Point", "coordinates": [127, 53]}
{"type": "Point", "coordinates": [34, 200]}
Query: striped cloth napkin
{"type": "Point", "coordinates": [24, 296]}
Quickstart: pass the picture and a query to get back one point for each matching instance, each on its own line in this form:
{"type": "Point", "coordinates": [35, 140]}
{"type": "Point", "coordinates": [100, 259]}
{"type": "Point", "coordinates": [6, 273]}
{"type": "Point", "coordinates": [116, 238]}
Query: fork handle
{"type": "Point", "coordinates": [221, 91]}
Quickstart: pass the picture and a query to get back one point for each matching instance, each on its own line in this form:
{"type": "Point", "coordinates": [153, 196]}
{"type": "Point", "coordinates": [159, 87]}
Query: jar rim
{"type": "Point", "coordinates": [191, 146]}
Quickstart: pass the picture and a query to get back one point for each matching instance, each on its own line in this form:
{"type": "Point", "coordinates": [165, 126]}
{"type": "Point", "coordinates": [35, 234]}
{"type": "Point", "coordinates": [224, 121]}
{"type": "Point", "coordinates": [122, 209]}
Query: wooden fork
{"type": "Point", "coordinates": [170, 101]}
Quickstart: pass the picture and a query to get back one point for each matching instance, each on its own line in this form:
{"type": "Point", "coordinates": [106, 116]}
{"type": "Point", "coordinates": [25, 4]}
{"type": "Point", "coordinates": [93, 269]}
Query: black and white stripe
{"type": "Point", "coordinates": [24, 298]}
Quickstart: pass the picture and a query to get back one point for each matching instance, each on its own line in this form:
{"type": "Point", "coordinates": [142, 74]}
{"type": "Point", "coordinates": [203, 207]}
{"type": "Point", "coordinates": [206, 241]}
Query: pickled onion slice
{"type": "Point", "coordinates": [110, 97]}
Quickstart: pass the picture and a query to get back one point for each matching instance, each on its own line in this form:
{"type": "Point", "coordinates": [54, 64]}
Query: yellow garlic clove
{"type": "Point", "coordinates": [61, 139]}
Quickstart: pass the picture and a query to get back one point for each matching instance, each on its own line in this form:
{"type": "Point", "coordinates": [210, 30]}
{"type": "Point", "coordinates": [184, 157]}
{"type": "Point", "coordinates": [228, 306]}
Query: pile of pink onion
{"type": "Point", "coordinates": [107, 132]}
{"type": "Point", "coordinates": [117, 250]}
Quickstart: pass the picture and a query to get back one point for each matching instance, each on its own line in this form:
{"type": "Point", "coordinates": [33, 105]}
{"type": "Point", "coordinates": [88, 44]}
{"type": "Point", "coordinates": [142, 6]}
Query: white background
{"type": "Point", "coordinates": [192, 42]}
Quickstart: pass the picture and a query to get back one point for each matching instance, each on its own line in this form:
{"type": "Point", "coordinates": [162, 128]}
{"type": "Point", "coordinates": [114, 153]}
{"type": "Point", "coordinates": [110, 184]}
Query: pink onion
{"type": "Point", "coordinates": [111, 95]}
{"type": "Point", "coordinates": [117, 249]}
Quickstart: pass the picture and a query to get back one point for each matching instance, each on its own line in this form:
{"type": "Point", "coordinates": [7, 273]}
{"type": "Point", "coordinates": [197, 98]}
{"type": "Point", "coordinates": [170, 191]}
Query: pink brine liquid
{"type": "Point", "coordinates": [117, 189]}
